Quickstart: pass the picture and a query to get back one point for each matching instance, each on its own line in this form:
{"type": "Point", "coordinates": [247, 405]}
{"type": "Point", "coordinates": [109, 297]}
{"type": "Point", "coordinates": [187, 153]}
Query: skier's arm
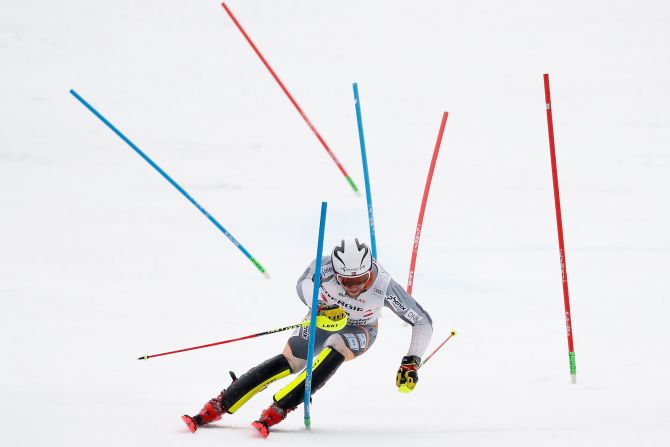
{"type": "Point", "coordinates": [305, 284]}
{"type": "Point", "coordinates": [406, 307]}
{"type": "Point", "coordinates": [410, 311]}
{"type": "Point", "coordinates": [330, 317]}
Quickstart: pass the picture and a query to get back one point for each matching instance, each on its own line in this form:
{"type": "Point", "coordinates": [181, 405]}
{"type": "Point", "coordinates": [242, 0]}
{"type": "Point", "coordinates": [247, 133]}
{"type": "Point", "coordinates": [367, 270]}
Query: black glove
{"type": "Point", "coordinates": [407, 375]}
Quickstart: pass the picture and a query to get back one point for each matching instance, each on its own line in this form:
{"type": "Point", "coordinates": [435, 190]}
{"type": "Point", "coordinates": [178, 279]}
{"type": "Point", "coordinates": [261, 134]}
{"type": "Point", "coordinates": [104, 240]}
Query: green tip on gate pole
{"type": "Point", "coordinates": [353, 185]}
{"type": "Point", "coordinates": [260, 267]}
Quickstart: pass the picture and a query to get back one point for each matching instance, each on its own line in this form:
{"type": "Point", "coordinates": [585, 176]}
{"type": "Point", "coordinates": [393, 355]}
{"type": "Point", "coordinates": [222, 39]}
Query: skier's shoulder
{"type": "Point", "coordinates": [326, 263]}
{"type": "Point", "coordinates": [382, 277]}
{"type": "Point", "coordinates": [327, 271]}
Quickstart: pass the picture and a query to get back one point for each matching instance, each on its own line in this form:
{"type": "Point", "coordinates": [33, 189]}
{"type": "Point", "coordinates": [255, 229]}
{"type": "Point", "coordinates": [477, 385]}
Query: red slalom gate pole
{"type": "Point", "coordinates": [559, 225]}
{"type": "Point", "coordinates": [290, 97]}
{"type": "Point", "coordinates": [271, 331]}
{"type": "Point", "coordinates": [424, 200]}
{"type": "Point", "coordinates": [417, 234]}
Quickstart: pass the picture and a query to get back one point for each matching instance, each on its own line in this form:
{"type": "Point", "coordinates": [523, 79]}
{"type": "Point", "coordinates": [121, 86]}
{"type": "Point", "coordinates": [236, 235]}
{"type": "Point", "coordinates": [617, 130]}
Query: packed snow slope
{"type": "Point", "coordinates": [101, 260]}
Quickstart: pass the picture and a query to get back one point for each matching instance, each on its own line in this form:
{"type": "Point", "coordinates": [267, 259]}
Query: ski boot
{"type": "Point", "coordinates": [272, 415]}
{"type": "Point", "coordinates": [212, 411]}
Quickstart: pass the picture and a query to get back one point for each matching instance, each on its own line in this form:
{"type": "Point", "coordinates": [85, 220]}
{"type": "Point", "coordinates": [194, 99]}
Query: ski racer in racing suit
{"type": "Point", "coordinates": [353, 290]}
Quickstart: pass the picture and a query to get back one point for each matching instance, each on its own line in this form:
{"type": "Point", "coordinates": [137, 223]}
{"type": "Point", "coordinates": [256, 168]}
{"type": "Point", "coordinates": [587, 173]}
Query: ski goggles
{"type": "Point", "coordinates": [353, 281]}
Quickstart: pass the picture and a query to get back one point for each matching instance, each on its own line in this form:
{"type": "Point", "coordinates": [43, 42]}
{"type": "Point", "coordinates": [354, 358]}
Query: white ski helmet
{"type": "Point", "coordinates": [351, 258]}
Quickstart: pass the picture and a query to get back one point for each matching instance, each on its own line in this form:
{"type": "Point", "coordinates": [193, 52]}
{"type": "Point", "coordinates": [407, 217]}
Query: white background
{"type": "Point", "coordinates": [102, 261]}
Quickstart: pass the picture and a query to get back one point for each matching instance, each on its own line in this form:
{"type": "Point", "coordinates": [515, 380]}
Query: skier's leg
{"type": "Point", "coordinates": [240, 391]}
{"type": "Point", "coordinates": [254, 381]}
{"type": "Point", "coordinates": [342, 346]}
{"type": "Point", "coordinates": [289, 397]}
{"type": "Point", "coordinates": [325, 365]}
{"type": "Point", "coordinates": [296, 363]}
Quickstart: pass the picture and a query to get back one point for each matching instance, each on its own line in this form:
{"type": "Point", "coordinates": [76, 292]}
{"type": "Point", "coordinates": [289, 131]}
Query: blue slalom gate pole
{"type": "Point", "coordinates": [312, 322]}
{"type": "Point", "coordinates": [368, 193]}
{"type": "Point", "coordinates": [169, 179]}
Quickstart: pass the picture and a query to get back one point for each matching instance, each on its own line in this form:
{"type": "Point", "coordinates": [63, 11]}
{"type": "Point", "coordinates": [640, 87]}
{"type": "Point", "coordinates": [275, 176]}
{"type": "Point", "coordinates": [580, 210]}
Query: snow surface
{"type": "Point", "coordinates": [102, 261]}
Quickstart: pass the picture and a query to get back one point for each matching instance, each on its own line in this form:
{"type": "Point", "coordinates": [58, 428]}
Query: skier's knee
{"type": "Point", "coordinates": [296, 363]}
{"type": "Point", "coordinates": [336, 342]}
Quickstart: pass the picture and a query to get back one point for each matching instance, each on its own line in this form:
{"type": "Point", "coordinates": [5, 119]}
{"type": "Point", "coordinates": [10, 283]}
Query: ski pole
{"type": "Point", "coordinates": [271, 331]}
{"type": "Point", "coordinates": [404, 388]}
{"type": "Point", "coordinates": [290, 98]}
{"type": "Point", "coordinates": [169, 179]}
{"type": "Point", "coordinates": [452, 334]}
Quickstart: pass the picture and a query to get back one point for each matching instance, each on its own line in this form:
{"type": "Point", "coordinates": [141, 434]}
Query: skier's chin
{"type": "Point", "coordinates": [353, 293]}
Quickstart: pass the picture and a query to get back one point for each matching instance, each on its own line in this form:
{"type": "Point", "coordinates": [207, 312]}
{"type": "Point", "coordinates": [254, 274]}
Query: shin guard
{"type": "Point", "coordinates": [324, 367]}
{"type": "Point", "coordinates": [254, 381]}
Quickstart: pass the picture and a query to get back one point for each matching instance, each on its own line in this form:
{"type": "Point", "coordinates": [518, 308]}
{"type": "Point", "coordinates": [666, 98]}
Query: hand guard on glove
{"type": "Point", "coordinates": [407, 375]}
{"type": "Point", "coordinates": [330, 317]}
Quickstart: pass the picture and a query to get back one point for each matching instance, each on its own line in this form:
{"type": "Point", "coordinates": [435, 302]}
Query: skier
{"type": "Point", "coordinates": [354, 287]}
